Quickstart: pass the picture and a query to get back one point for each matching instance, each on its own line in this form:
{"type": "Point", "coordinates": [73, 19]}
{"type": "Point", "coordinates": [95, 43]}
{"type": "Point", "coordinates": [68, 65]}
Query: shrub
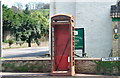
{"type": "Point", "coordinates": [20, 42]}
{"type": "Point", "coordinates": [10, 41]}
{"type": "Point", "coordinates": [108, 67]}
{"type": "Point", "coordinates": [6, 41]}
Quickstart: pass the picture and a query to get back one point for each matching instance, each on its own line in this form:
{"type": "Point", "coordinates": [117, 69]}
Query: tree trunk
{"type": "Point", "coordinates": [29, 42]}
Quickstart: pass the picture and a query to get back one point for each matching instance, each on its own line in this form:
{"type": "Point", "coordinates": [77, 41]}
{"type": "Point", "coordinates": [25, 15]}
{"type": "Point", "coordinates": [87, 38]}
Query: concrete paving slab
{"type": "Point", "coordinates": [47, 75]}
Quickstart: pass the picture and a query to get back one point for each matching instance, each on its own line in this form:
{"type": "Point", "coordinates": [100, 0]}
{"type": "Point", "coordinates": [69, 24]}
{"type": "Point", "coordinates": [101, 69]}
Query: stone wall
{"type": "Point", "coordinates": [42, 66]}
{"type": "Point", "coordinates": [85, 67]}
{"type": "Point", "coordinates": [26, 66]}
{"type": "Point", "coordinates": [116, 42]}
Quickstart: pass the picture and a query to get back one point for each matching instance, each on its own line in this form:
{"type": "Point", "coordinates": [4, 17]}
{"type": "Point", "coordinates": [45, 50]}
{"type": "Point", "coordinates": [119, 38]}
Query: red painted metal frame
{"type": "Point", "coordinates": [62, 45]}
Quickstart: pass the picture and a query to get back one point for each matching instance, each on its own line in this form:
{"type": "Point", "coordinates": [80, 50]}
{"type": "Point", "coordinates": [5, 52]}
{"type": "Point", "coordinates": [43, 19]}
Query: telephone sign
{"type": "Point", "coordinates": [79, 38]}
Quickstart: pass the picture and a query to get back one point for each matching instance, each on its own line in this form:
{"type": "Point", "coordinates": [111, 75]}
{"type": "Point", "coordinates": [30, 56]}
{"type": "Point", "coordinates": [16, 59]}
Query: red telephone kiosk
{"type": "Point", "coordinates": [62, 45]}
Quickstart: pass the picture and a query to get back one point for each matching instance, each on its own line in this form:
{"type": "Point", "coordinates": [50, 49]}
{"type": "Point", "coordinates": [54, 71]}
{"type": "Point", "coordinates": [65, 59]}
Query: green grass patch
{"type": "Point", "coordinates": [1, 58]}
{"type": "Point", "coordinates": [14, 47]}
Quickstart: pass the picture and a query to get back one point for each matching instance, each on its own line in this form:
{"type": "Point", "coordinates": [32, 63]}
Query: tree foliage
{"type": "Point", "coordinates": [8, 16]}
{"type": "Point", "coordinates": [26, 26]}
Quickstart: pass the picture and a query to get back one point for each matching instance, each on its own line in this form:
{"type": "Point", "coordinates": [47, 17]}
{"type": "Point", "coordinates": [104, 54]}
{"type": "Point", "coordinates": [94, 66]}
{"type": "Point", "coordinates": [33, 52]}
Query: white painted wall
{"type": "Point", "coordinates": [94, 17]}
{"type": "Point", "coordinates": [61, 8]}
